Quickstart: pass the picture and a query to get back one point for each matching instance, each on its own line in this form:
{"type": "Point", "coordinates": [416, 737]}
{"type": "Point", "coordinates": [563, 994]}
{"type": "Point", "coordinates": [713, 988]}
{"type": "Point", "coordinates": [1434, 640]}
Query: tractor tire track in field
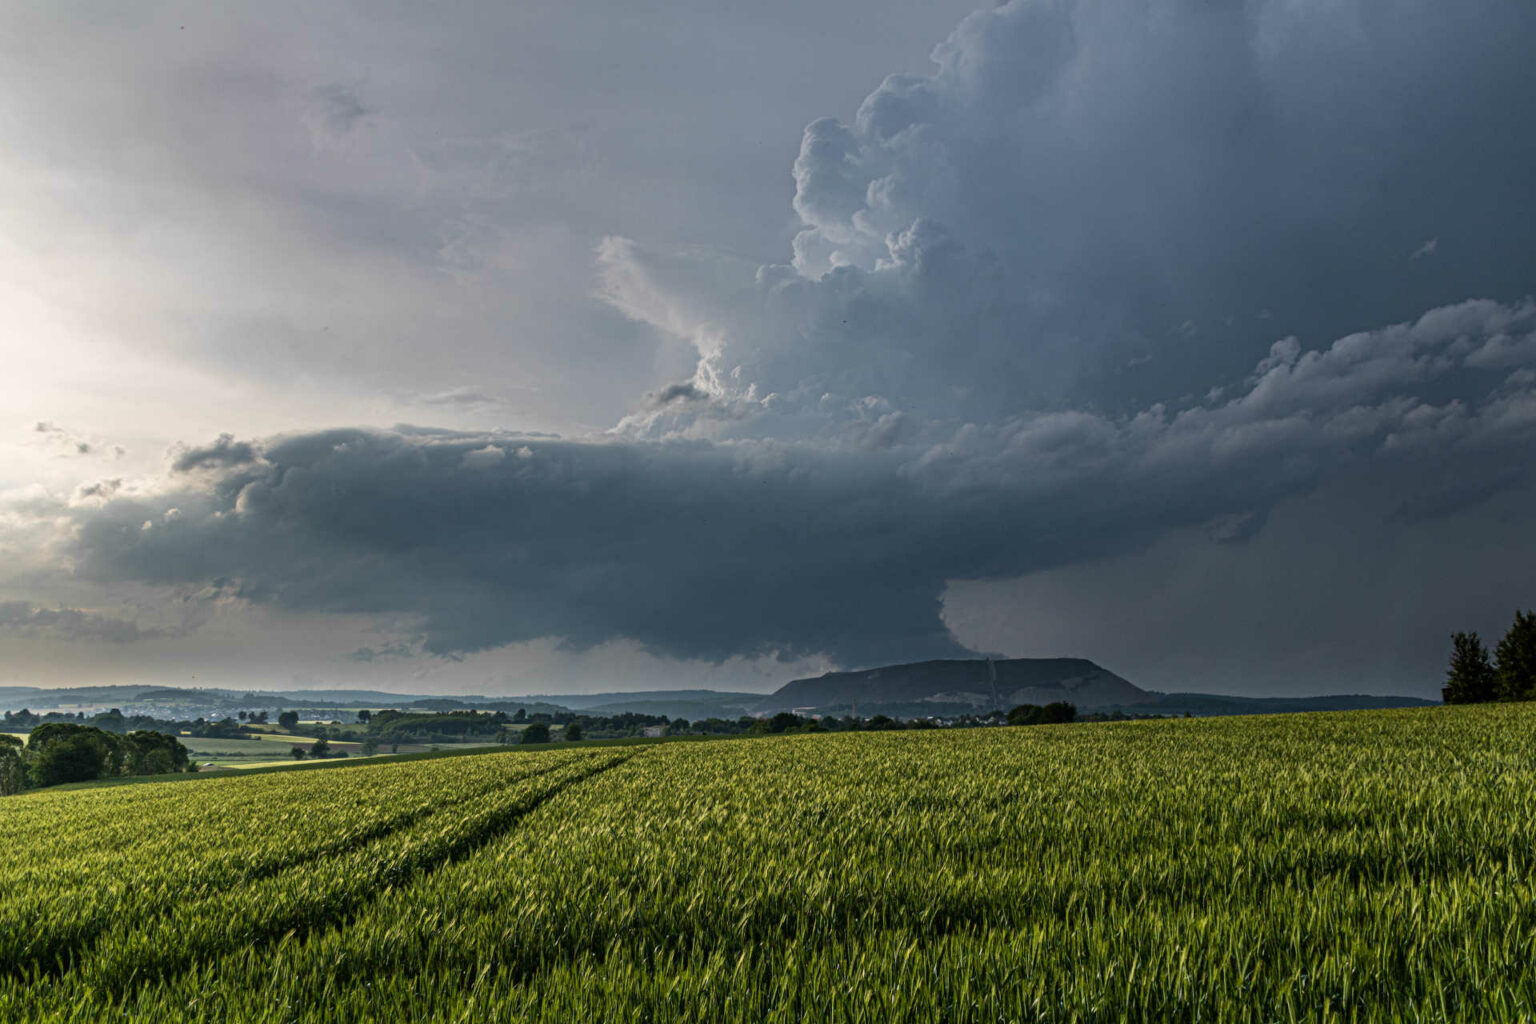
{"type": "Point", "coordinates": [65, 952]}
{"type": "Point", "coordinates": [164, 947]}
{"type": "Point", "coordinates": [58, 953]}
{"type": "Point", "coordinates": [384, 829]}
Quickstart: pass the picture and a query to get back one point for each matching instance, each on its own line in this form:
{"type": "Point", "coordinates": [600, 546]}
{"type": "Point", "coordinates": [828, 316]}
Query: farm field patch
{"type": "Point", "coordinates": [270, 748]}
{"type": "Point", "coordinates": [1363, 865]}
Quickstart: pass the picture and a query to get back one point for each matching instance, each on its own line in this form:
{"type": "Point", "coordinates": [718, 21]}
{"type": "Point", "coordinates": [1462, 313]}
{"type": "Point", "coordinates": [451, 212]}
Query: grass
{"type": "Point", "coordinates": [1331, 867]}
{"type": "Point", "coordinates": [421, 753]}
{"type": "Point", "coordinates": [267, 748]}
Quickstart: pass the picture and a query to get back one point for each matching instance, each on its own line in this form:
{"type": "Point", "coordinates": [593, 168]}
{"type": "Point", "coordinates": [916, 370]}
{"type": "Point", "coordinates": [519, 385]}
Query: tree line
{"type": "Point", "coordinates": [1475, 677]}
{"type": "Point", "coordinates": [538, 729]}
{"type": "Point", "coordinates": [116, 722]}
{"type": "Point", "coordinates": [60, 752]}
{"type": "Point", "coordinates": [788, 722]}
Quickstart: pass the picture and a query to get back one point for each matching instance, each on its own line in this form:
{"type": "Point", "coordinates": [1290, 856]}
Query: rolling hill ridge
{"type": "Point", "coordinates": [960, 686]}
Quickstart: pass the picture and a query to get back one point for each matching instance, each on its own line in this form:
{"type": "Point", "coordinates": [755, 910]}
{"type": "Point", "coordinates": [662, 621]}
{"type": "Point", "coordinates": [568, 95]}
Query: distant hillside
{"type": "Point", "coordinates": [172, 701]}
{"type": "Point", "coordinates": [689, 704]}
{"type": "Point", "coordinates": [953, 687]}
{"type": "Point", "coordinates": [129, 694]}
{"type": "Point", "coordinates": [979, 685]}
{"type": "Point", "coordinates": [211, 702]}
{"type": "Point", "coordinates": [902, 691]}
{"type": "Point", "coordinates": [67, 695]}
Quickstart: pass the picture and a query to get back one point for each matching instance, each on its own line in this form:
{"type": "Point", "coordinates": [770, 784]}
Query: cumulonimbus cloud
{"type": "Point", "coordinates": [1101, 275]}
{"type": "Point", "coordinates": [1105, 204]}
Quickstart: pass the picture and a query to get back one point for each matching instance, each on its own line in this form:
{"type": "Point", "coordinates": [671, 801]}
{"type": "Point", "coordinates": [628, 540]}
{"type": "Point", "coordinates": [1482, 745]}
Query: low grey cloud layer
{"type": "Point", "coordinates": [71, 624]}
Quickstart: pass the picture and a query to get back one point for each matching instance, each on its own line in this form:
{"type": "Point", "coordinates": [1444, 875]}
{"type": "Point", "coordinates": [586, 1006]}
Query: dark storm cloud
{"type": "Point", "coordinates": [703, 550]}
{"type": "Point", "coordinates": [692, 550]}
{"type": "Point", "coordinates": [1104, 204]}
{"type": "Point", "coordinates": [1334, 594]}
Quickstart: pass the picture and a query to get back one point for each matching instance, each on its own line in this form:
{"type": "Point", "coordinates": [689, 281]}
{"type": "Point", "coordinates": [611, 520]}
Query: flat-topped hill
{"type": "Point", "coordinates": [978, 684]}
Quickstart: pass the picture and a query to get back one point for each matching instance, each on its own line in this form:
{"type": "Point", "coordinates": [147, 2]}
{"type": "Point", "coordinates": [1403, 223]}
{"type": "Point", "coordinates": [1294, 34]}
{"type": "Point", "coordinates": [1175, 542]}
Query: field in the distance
{"type": "Point", "coordinates": [1355, 866]}
{"type": "Point", "coordinates": [276, 748]}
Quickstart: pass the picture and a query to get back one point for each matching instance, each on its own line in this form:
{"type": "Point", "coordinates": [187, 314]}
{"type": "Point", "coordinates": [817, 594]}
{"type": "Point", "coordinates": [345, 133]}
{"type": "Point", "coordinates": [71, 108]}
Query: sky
{"type": "Point", "coordinates": [563, 348]}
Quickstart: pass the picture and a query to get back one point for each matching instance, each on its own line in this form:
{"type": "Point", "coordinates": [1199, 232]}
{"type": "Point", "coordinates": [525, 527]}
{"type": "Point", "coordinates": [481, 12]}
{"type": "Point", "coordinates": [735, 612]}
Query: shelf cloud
{"type": "Point", "coordinates": [708, 549]}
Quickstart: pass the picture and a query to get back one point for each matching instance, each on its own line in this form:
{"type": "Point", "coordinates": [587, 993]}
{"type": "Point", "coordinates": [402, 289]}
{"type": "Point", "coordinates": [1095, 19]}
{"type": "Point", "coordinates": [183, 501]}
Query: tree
{"type": "Point", "coordinates": [109, 721]}
{"type": "Point", "coordinates": [22, 719]}
{"type": "Point", "coordinates": [1517, 659]}
{"type": "Point", "coordinates": [1471, 677]}
{"type": "Point", "coordinates": [1053, 713]}
{"type": "Point", "coordinates": [60, 752]}
{"type": "Point", "coordinates": [572, 731]}
{"type": "Point", "coordinates": [537, 732]}
{"type": "Point", "coordinates": [783, 721]}
{"type": "Point", "coordinates": [370, 747]}
{"type": "Point", "coordinates": [297, 752]}
{"type": "Point", "coordinates": [288, 720]}
{"type": "Point", "coordinates": [64, 752]}
{"type": "Point", "coordinates": [152, 753]}
{"type": "Point", "coordinates": [365, 716]}
{"type": "Point", "coordinates": [13, 769]}
{"type": "Point", "coordinates": [1025, 714]}
{"type": "Point", "coordinates": [1060, 711]}
{"type": "Point", "coordinates": [320, 748]}
{"type": "Point", "coordinates": [224, 728]}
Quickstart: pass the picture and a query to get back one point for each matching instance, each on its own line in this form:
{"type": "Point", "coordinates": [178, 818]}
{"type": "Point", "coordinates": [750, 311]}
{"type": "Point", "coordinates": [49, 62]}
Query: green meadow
{"type": "Point", "coordinates": [1361, 866]}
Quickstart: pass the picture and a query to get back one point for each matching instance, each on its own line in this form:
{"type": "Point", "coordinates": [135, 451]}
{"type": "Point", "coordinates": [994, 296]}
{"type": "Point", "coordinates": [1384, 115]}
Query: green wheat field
{"type": "Point", "coordinates": [1365, 866]}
